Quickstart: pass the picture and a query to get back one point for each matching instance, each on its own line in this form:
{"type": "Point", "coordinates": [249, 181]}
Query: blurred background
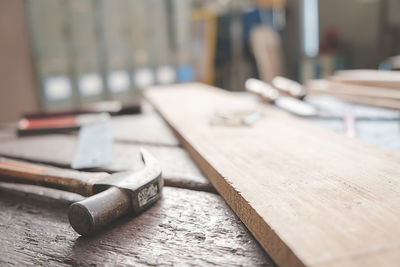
{"type": "Point", "coordinates": [62, 54]}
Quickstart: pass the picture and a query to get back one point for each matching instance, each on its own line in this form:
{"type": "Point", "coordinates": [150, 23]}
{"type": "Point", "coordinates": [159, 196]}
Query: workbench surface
{"type": "Point", "coordinates": [190, 225]}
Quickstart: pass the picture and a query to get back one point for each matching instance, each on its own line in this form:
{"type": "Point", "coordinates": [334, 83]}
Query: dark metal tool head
{"type": "Point", "coordinates": [119, 194]}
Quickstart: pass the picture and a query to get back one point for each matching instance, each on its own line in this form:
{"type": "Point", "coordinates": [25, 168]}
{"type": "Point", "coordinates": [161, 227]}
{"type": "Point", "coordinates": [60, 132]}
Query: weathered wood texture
{"type": "Point", "coordinates": [57, 149]}
{"type": "Point", "coordinates": [185, 228]}
{"type": "Point", "coordinates": [308, 195]}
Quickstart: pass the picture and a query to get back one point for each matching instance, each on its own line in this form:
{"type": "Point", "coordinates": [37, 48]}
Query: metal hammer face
{"type": "Point", "coordinates": [117, 195]}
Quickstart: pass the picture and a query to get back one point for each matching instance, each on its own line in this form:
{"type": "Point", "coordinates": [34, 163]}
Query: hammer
{"type": "Point", "coordinates": [110, 196]}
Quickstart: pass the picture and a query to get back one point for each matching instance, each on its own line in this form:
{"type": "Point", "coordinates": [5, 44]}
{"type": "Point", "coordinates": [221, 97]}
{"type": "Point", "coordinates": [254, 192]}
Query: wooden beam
{"type": "Point", "coordinates": [388, 79]}
{"type": "Point", "coordinates": [367, 95]}
{"type": "Point", "coordinates": [365, 100]}
{"type": "Point", "coordinates": [311, 197]}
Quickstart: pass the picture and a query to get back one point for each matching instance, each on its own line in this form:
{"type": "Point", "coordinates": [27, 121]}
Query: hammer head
{"type": "Point", "coordinates": [119, 194]}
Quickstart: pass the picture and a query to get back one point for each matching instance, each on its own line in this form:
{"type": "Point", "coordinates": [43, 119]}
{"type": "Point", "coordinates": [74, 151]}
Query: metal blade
{"type": "Point", "coordinates": [296, 106]}
{"type": "Point", "coordinates": [95, 146]}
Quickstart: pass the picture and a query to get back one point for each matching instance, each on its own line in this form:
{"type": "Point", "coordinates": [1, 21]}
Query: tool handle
{"type": "Point", "coordinates": [93, 213]}
{"type": "Point", "coordinates": [290, 87]}
{"type": "Point", "coordinates": [263, 90]}
{"type": "Point", "coordinates": [15, 171]}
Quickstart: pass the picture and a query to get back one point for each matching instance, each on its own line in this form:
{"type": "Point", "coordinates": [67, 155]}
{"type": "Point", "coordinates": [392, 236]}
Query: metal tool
{"type": "Point", "coordinates": [289, 87]}
{"type": "Point", "coordinates": [293, 104]}
{"type": "Point", "coordinates": [38, 125]}
{"type": "Point", "coordinates": [95, 146]}
{"type": "Point", "coordinates": [110, 195]}
{"type": "Point", "coordinates": [112, 107]}
{"type": "Point", "coordinates": [272, 95]}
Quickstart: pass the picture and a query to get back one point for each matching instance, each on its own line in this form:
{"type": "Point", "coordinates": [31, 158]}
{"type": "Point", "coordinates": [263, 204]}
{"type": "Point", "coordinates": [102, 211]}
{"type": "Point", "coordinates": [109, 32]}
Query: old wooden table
{"type": "Point", "coordinates": [191, 225]}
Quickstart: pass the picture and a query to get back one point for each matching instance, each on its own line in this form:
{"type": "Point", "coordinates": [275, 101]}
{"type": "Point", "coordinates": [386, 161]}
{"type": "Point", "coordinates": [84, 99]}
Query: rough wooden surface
{"type": "Point", "coordinates": [57, 149]}
{"type": "Point", "coordinates": [34, 217]}
{"type": "Point", "coordinates": [185, 228]}
{"type": "Point", "coordinates": [309, 196]}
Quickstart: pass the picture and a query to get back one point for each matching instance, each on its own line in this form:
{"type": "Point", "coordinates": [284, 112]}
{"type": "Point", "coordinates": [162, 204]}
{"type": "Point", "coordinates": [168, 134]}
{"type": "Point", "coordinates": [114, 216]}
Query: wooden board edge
{"type": "Point", "coordinates": [281, 254]}
{"type": "Point", "coordinates": [363, 100]}
{"type": "Point", "coordinates": [335, 87]}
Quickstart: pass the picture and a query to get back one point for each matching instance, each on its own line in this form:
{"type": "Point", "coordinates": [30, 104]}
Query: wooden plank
{"type": "Point", "coordinates": [358, 99]}
{"type": "Point", "coordinates": [338, 108]}
{"type": "Point", "coordinates": [329, 87]}
{"type": "Point", "coordinates": [178, 168]}
{"type": "Point", "coordinates": [185, 228]}
{"type": "Point", "coordinates": [367, 95]}
{"type": "Point", "coordinates": [369, 100]}
{"type": "Point", "coordinates": [309, 196]}
{"type": "Point", "coordinates": [388, 79]}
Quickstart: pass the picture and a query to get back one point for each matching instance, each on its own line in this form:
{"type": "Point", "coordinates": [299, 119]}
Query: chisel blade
{"type": "Point", "coordinates": [95, 146]}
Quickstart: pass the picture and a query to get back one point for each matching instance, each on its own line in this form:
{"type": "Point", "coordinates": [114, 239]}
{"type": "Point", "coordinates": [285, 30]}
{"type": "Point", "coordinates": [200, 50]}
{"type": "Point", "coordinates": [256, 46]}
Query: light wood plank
{"type": "Point", "coordinates": [309, 196]}
{"type": "Point", "coordinates": [388, 79]}
{"type": "Point", "coordinates": [367, 95]}
{"type": "Point", "coordinates": [330, 87]}
{"type": "Point", "coordinates": [369, 100]}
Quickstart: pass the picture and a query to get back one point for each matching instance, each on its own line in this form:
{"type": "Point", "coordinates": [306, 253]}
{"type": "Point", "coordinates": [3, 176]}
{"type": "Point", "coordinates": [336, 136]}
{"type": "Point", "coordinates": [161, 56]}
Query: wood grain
{"type": "Point", "coordinates": [178, 168]}
{"type": "Point", "coordinates": [309, 196]}
{"type": "Point", "coordinates": [185, 228]}
{"type": "Point", "coordinates": [14, 171]}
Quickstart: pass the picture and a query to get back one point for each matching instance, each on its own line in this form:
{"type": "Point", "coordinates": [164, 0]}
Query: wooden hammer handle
{"type": "Point", "coordinates": [14, 171]}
